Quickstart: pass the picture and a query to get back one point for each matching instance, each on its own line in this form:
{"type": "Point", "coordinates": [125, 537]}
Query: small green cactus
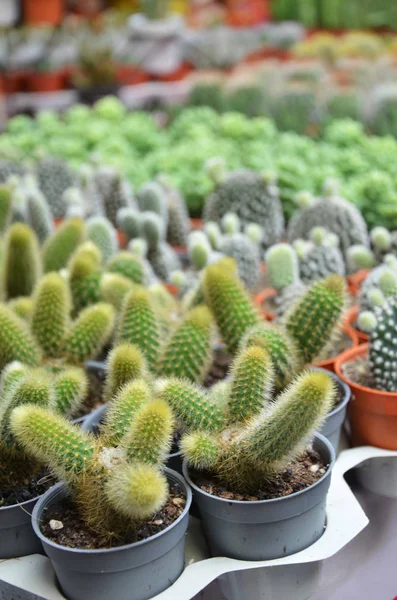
{"type": "Point", "coordinates": [22, 307]}
{"type": "Point", "coordinates": [199, 249]}
{"type": "Point", "coordinates": [39, 214]}
{"type": "Point", "coordinates": [124, 363]}
{"type": "Point", "coordinates": [85, 279]}
{"type": "Point", "coordinates": [153, 230]}
{"type": "Point", "coordinates": [122, 408]}
{"type": "Point", "coordinates": [381, 238]}
{"type": "Point", "coordinates": [128, 265]}
{"type": "Point", "coordinates": [101, 232]}
{"type": "Point", "coordinates": [316, 318]}
{"type": "Point", "coordinates": [282, 266]}
{"type": "Point", "coordinates": [60, 246]}
{"type": "Point", "coordinates": [22, 265]}
{"type": "Point", "coordinates": [129, 222]}
{"type": "Point", "coordinates": [16, 342]}
{"type": "Point", "coordinates": [70, 389]}
{"type": "Point", "coordinates": [233, 309]}
{"type": "Point", "coordinates": [51, 313]}
{"type": "Point", "coordinates": [89, 334]}
{"type": "Point", "coordinates": [5, 206]}
{"type": "Point", "coordinates": [214, 234]}
{"type": "Point", "coordinates": [359, 257]}
{"type": "Point", "coordinates": [188, 354]}
{"type": "Point", "coordinates": [139, 325]}
{"type": "Point", "coordinates": [114, 288]}
{"type": "Point", "coordinates": [11, 375]}
{"type": "Point", "coordinates": [230, 223]}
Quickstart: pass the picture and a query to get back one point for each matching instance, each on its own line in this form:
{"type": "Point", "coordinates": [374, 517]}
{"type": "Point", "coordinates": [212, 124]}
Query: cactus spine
{"type": "Point", "coordinates": [125, 363]}
{"type": "Point", "coordinates": [60, 246]}
{"type": "Point", "coordinates": [22, 266]}
{"type": "Point", "coordinates": [16, 342]}
{"type": "Point", "coordinates": [89, 333]}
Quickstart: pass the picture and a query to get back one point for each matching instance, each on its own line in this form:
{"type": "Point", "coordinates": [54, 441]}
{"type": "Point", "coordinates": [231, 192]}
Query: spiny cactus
{"type": "Point", "coordinates": [16, 342]}
{"type": "Point", "coordinates": [118, 195]}
{"type": "Point", "coordinates": [128, 265]}
{"type": "Point", "coordinates": [54, 177]}
{"type": "Point", "coordinates": [101, 232]}
{"type": "Point", "coordinates": [122, 408]}
{"type": "Point", "coordinates": [128, 221]}
{"type": "Point", "coordinates": [359, 257]}
{"type": "Point", "coordinates": [244, 458]}
{"type": "Point", "coordinates": [114, 288]}
{"type": "Point", "coordinates": [246, 254]}
{"type": "Point", "coordinates": [282, 266]}
{"type": "Point", "coordinates": [60, 246]}
{"type": "Point", "coordinates": [138, 325]}
{"type": "Point", "coordinates": [114, 487]}
{"type": "Point", "coordinates": [51, 310]}
{"type": "Point", "coordinates": [124, 363]}
{"type": "Point", "coordinates": [178, 216]}
{"type": "Point", "coordinates": [70, 389]}
{"type": "Point", "coordinates": [320, 261]}
{"type": "Point", "coordinates": [22, 307]}
{"type": "Point", "coordinates": [89, 334]}
{"type": "Point", "coordinates": [281, 347]}
{"type": "Point", "coordinates": [22, 265]}
{"type": "Point", "coordinates": [11, 375]}
{"type": "Point", "coordinates": [39, 214]}
{"type": "Point", "coordinates": [233, 309]}
{"type": "Point", "coordinates": [151, 198]}
{"type": "Point", "coordinates": [5, 206]}
{"type": "Point", "coordinates": [188, 354]}
{"type": "Point", "coordinates": [199, 249]}
{"type": "Point", "coordinates": [316, 318]}
{"type": "Point", "coordinates": [85, 277]}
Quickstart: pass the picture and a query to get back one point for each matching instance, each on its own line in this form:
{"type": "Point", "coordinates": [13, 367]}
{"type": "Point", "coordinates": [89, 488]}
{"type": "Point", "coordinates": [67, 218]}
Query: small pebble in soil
{"type": "Point", "coordinates": [55, 525]}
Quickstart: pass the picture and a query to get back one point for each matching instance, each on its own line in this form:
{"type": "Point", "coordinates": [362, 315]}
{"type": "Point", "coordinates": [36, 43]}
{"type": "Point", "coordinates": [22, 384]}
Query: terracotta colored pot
{"type": "Point", "coordinates": [196, 223]}
{"type": "Point", "coordinates": [43, 11]}
{"type": "Point", "coordinates": [260, 299]}
{"type": "Point", "coordinates": [372, 414]}
{"type": "Point", "coordinates": [131, 75]}
{"type": "Point", "coordinates": [329, 364]}
{"type": "Point", "coordinates": [173, 289]}
{"type": "Point", "coordinates": [355, 281]}
{"type": "Point", "coordinates": [181, 73]}
{"type": "Point", "coordinates": [350, 321]}
{"type": "Point", "coordinates": [46, 82]}
{"type": "Point", "coordinates": [15, 82]}
{"type": "Point", "coordinates": [123, 242]}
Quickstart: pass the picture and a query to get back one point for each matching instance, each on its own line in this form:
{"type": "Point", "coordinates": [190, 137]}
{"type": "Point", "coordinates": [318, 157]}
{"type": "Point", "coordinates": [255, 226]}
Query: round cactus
{"type": "Point", "coordinates": [282, 266]}
{"type": "Point", "coordinates": [126, 264]}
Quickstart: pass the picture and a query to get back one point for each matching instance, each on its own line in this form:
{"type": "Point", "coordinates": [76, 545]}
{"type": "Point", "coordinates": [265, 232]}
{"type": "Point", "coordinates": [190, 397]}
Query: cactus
{"type": "Point", "coordinates": [281, 347]}
{"type": "Point", "coordinates": [178, 216]}
{"type": "Point", "coordinates": [138, 325]}
{"type": "Point", "coordinates": [214, 234]}
{"type": "Point", "coordinates": [125, 263]}
{"type": "Point", "coordinates": [199, 250]}
{"type": "Point", "coordinates": [89, 334]}
{"type": "Point", "coordinates": [128, 221]}
{"type": "Point", "coordinates": [114, 288]}
{"type": "Point", "coordinates": [51, 310]}
{"type": "Point", "coordinates": [282, 266]}
{"type": "Point", "coordinates": [341, 217]}
{"type": "Point", "coordinates": [70, 389]}
{"type": "Point", "coordinates": [233, 309]}
{"type": "Point", "coordinates": [359, 257]}
{"type": "Point", "coordinates": [119, 195]}
{"type": "Point", "coordinates": [60, 246]}
{"type": "Point", "coordinates": [101, 232]}
{"type": "Point", "coordinates": [22, 265]}
{"type": "Point", "coordinates": [11, 375]}
{"type": "Point", "coordinates": [122, 409]}
{"type": "Point", "coordinates": [5, 206]}
{"type": "Point", "coordinates": [39, 214]}
{"type": "Point", "coordinates": [252, 380]}
{"type": "Point", "coordinates": [84, 279]}
{"type": "Point", "coordinates": [191, 405]}
{"type": "Point", "coordinates": [230, 223]}
{"type": "Point", "coordinates": [246, 255]}
{"type": "Point", "coordinates": [382, 344]}
{"type": "Point", "coordinates": [315, 320]}
{"type": "Point", "coordinates": [188, 354]}
{"type": "Point", "coordinates": [253, 197]}
{"type": "Point", "coordinates": [16, 342]}
{"type": "Point", "coordinates": [124, 363]}
{"type": "Point", "coordinates": [151, 198]}
{"type": "Point", "coordinates": [22, 307]}
{"type": "Point", "coordinates": [54, 177]}
{"type": "Point", "coordinates": [320, 261]}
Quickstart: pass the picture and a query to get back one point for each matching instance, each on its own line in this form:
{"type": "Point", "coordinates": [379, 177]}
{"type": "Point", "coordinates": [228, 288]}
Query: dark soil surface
{"type": "Point", "coordinates": [358, 371]}
{"type": "Point", "coordinates": [35, 486]}
{"type": "Point", "coordinates": [341, 344]}
{"type": "Point", "coordinates": [300, 474]}
{"type": "Point", "coordinates": [220, 367]}
{"type": "Point", "coordinates": [73, 533]}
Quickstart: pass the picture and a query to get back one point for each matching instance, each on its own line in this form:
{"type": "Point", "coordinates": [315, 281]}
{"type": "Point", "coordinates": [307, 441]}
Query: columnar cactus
{"type": "Point", "coordinates": [54, 177]}
{"type": "Point", "coordinates": [114, 288]}
{"type": "Point", "coordinates": [89, 334]}
{"type": "Point", "coordinates": [51, 313]}
{"type": "Point", "coordinates": [85, 277]}
{"type": "Point", "coordinates": [60, 246]}
{"type": "Point", "coordinates": [101, 232]}
{"type": "Point", "coordinates": [138, 324]}
{"type": "Point", "coordinates": [124, 363]}
{"type": "Point", "coordinates": [233, 309]}
{"type": "Point", "coordinates": [129, 222]}
{"type": "Point", "coordinates": [125, 263]}
{"type": "Point", "coordinates": [5, 206]}
{"type": "Point", "coordinates": [316, 318]}
{"type": "Point", "coordinates": [178, 216]}
{"type": "Point", "coordinates": [22, 265]}
{"type": "Point", "coordinates": [16, 342]}
{"type": "Point", "coordinates": [188, 354]}
{"type": "Point", "coordinates": [22, 307]}
{"type": "Point", "coordinates": [38, 214]}
{"type": "Point", "coordinates": [123, 406]}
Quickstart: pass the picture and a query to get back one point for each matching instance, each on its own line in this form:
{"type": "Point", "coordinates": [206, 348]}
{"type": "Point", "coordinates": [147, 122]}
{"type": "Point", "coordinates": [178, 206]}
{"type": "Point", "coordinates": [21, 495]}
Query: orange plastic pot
{"type": "Point", "coordinates": [355, 281]}
{"type": "Point", "coordinates": [351, 318]}
{"type": "Point", "coordinates": [14, 82]}
{"type": "Point", "coordinates": [260, 299]}
{"type": "Point", "coordinates": [173, 289]}
{"type": "Point", "coordinates": [196, 223]}
{"type": "Point", "coordinates": [46, 82]}
{"type": "Point", "coordinates": [123, 242]}
{"type": "Point", "coordinates": [329, 364]}
{"type": "Point", "coordinates": [372, 413]}
{"type": "Point", "coordinates": [131, 75]}
{"type": "Point", "coordinates": [36, 12]}
{"type": "Point", "coordinates": [178, 75]}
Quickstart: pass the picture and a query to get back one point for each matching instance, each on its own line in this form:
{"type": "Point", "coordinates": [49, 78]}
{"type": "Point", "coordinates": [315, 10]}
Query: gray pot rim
{"type": "Point", "coordinates": [347, 393]}
{"type": "Point", "coordinates": [22, 504]}
{"type": "Point", "coordinates": [328, 472]}
{"type": "Point", "coordinates": [61, 485]}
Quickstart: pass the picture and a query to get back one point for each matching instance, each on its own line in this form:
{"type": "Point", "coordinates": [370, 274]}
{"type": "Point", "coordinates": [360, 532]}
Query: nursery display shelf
{"type": "Point", "coordinates": [133, 96]}
{"type": "Point", "coordinates": [297, 576]}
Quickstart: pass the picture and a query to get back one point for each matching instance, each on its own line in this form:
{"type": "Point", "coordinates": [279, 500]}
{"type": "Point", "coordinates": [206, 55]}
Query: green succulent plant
{"type": "Point", "coordinates": [22, 264]}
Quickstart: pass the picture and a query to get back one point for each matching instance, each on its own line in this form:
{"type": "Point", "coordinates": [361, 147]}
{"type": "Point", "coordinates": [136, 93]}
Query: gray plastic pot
{"type": "Point", "coordinates": [17, 537]}
{"type": "Point", "coordinates": [266, 529]}
{"type": "Point", "coordinates": [332, 427]}
{"type": "Point", "coordinates": [94, 419]}
{"type": "Point", "coordinates": [135, 571]}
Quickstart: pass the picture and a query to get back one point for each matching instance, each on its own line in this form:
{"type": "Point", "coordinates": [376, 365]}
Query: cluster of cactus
{"type": "Point", "coordinates": [376, 284]}
{"type": "Point", "coordinates": [340, 216]}
{"type": "Point", "coordinates": [250, 436]}
{"type": "Point", "coordinates": [116, 479]}
{"type": "Point", "coordinates": [253, 197]}
{"type": "Point", "coordinates": [61, 392]}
